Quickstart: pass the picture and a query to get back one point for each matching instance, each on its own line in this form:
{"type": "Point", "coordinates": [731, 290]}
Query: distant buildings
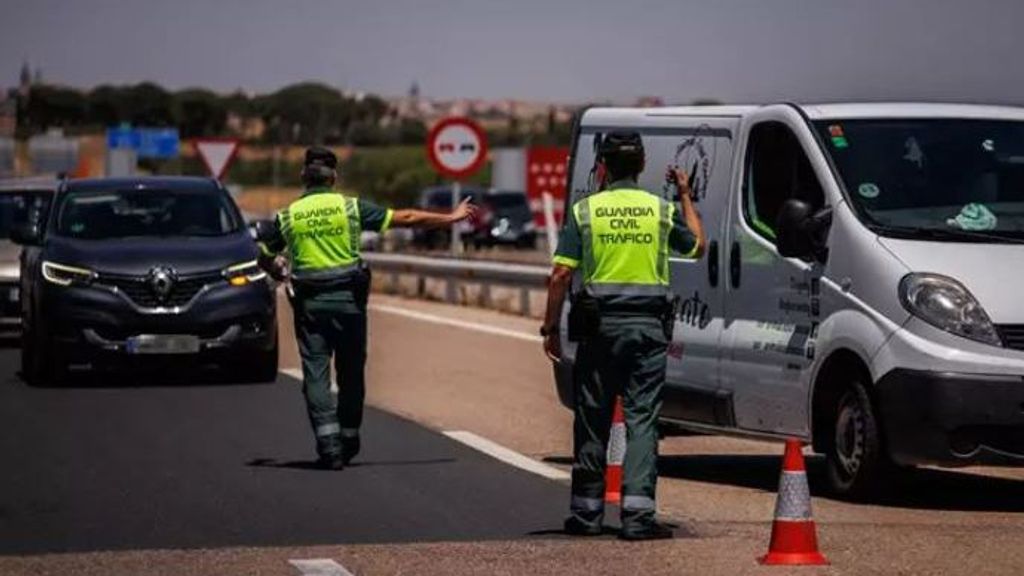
{"type": "Point", "coordinates": [525, 115]}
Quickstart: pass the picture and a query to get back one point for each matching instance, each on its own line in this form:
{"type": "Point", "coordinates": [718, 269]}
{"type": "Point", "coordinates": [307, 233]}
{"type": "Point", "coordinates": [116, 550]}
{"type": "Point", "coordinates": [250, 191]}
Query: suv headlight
{"type": "Point", "coordinates": [947, 305]}
{"type": "Point", "coordinates": [64, 275]}
{"type": "Point", "coordinates": [244, 273]}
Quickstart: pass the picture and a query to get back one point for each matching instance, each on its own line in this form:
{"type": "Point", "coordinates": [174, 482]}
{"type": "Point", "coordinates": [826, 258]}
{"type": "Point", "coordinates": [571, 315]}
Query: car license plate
{"type": "Point", "coordinates": [163, 344]}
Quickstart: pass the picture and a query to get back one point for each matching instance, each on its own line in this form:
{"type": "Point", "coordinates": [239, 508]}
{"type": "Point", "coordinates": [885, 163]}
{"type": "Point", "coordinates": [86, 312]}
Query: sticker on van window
{"type": "Point", "coordinates": [838, 136]}
{"type": "Point", "coordinates": [868, 190]}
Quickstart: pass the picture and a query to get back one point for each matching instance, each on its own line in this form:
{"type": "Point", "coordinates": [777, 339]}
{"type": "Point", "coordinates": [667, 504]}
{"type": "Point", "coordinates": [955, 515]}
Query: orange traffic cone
{"type": "Point", "coordinates": [616, 455]}
{"type": "Point", "coordinates": [794, 537]}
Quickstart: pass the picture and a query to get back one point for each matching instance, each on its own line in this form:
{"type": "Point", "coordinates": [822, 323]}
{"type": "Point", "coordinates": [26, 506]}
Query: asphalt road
{"type": "Point", "coordinates": [203, 478]}
{"type": "Point", "coordinates": [138, 464]}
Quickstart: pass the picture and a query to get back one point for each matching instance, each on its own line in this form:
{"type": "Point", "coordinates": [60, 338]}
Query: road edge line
{"type": "Point", "coordinates": [506, 455]}
{"type": "Point", "coordinates": [466, 325]}
{"type": "Point", "coordinates": [319, 567]}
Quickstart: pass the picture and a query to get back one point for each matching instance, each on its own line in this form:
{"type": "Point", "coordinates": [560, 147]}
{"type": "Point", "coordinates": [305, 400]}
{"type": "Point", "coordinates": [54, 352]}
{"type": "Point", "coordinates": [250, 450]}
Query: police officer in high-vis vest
{"type": "Point", "coordinates": [320, 233]}
{"type": "Point", "coordinates": [621, 316]}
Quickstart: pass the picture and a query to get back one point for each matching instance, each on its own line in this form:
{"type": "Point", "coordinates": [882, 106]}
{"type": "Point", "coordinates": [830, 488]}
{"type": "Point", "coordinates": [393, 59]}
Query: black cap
{"type": "Point", "coordinates": [320, 156]}
{"type": "Point", "coordinates": [616, 143]}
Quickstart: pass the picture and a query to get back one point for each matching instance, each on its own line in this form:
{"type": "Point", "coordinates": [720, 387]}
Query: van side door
{"type": "Point", "coordinates": [773, 303]}
{"type": "Point", "coordinates": [703, 147]}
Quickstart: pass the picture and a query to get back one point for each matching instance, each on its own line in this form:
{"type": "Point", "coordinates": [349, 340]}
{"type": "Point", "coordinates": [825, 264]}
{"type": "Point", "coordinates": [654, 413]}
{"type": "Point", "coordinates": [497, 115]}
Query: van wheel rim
{"type": "Point", "coordinates": [849, 438]}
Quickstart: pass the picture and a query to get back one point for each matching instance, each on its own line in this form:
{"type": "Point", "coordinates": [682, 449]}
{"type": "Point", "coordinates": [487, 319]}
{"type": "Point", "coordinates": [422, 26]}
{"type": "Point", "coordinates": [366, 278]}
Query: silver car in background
{"type": "Point", "coordinates": [23, 201]}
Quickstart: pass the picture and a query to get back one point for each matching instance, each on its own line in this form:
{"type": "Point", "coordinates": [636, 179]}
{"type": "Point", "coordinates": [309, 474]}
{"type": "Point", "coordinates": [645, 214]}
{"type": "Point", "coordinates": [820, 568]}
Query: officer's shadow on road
{"type": "Point", "coordinates": [922, 488]}
{"type": "Point", "coordinates": [313, 465]}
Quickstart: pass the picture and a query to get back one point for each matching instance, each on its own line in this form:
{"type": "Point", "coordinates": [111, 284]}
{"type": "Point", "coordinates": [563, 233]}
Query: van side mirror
{"type": "Point", "coordinates": [801, 232]}
{"type": "Point", "coordinates": [26, 235]}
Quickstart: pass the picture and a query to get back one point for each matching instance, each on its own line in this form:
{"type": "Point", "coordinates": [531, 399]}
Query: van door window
{"type": "Point", "coordinates": [777, 169]}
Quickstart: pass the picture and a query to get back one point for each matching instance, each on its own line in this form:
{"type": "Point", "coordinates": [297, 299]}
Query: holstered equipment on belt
{"type": "Point", "coordinates": [584, 320]}
{"type": "Point", "coordinates": [357, 282]}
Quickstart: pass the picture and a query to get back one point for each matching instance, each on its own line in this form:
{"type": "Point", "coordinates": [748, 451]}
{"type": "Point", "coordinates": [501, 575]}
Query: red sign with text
{"type": "Point", "coordinates": [547, 171]}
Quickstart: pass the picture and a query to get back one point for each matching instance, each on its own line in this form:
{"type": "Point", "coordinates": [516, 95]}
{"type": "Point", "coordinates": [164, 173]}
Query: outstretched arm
{"type": "Point", "coordinates": [411, 218]}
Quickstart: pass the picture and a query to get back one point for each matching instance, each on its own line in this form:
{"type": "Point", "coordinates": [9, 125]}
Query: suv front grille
{"type": "Point", "coordinates": [1012, 335]}
{"type": "Point", "coordinates": [139, 291]}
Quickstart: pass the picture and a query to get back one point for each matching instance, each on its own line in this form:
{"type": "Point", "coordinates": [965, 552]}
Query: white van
{"type": "Point", "coordinates": [860, 288]}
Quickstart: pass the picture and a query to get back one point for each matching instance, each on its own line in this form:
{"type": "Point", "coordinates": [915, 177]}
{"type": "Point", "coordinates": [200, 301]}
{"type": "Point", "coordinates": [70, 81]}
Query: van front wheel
{"type": "Point", "coordinates": [856, 460]}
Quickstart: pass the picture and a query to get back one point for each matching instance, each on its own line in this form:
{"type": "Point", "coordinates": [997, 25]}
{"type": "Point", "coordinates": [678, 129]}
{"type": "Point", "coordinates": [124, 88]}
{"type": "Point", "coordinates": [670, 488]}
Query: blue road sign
{"type": "Point", "coordinates": [123, 137]}
{"type": "Point", "coordinates": [147, 142]}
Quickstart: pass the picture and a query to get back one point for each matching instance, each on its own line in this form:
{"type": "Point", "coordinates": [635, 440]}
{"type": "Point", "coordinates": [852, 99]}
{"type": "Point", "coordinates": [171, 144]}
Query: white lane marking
{"type": "Point", "coordinates": [297, 374]}
{"type": "Point", "coordinates": [423, 316]}
{"type": "Point", "coordinates": [506, 455]}
{"type": "Point", "coordinates": [319, 567]}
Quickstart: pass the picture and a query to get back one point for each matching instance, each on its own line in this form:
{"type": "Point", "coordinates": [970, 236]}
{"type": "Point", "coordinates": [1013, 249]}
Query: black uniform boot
{"type": "Point", "coordinates": [575, 527]}
{"type": "Point", "coordinates": [331, 462]}
{"type": "Point", "coordinates": [349, 449]}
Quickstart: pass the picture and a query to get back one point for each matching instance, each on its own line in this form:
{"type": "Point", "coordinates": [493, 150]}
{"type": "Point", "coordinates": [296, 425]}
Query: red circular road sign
{"type": "Point", "coordinates": [457, 147]}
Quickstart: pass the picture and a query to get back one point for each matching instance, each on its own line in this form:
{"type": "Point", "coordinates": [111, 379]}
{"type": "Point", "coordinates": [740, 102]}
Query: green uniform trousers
{"type": "Point", "coordinates": [327, 324]}
{"type": "Point", "coordinates": [627, 357]}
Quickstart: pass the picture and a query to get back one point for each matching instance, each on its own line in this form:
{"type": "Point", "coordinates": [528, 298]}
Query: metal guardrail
{"type": "Point", "coordinates": [455, 271]}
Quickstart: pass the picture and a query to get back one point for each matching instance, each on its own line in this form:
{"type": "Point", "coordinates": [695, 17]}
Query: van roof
{"type": "Point", "coordinates": [626, 116]}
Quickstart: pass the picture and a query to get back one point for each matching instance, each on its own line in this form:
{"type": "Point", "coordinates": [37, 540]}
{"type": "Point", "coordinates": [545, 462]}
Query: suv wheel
{"type": "Point", "coordinates": [857, 464]}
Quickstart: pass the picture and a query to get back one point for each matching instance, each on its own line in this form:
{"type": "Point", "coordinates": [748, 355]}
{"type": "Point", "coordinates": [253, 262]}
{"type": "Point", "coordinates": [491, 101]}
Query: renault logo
{"type": "Point", "coordinates": [161, 281]}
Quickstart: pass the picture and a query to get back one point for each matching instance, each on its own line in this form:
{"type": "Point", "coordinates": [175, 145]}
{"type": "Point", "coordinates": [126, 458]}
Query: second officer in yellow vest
{"type": "Point", "coordinates": [621, 317]}
{"type": "Point", "coordinates": [320, 233]}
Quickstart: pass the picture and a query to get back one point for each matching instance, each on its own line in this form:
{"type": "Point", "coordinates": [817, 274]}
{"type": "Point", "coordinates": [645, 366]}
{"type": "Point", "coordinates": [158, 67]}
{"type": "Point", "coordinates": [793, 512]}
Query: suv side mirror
{"type": "Point", "coordinates": [801, 232]}
{"type": "Point", "coordinates": [261, 230]}
{"type": "Point", "coordinates": [26, 235]}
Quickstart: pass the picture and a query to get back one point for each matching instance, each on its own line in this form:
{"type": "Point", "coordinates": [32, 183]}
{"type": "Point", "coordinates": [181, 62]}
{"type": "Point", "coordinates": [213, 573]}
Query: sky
{"type": "Point", "coordinates": [554, 50]}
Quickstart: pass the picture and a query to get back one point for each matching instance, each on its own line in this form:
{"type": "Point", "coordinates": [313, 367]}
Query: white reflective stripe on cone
{"type": "Point", "coordinates": [637, 503]}
{"type": "Point", "coordinates": [328, 429]}
{"type": "Point", "coordinates": [794, 502]}
{"type": "Point", "coordinates": [350, 432]}
{"type": "Point", "coordinates": [587, 504]}
{"type": "Point", "coordinates": [617, 445]}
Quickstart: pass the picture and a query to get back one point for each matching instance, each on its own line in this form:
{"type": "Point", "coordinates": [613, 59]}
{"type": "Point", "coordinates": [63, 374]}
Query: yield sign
{"type": "Point", "coordinates": [217, 154]}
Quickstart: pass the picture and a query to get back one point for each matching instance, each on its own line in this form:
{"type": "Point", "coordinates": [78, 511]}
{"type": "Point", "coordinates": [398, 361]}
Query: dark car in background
{"type": "Point", "coordinates": [504, 218]}
{"type": "Point", "coordinates": [129, 272]}
{"type": "Point", "coordinates": [21, 201]}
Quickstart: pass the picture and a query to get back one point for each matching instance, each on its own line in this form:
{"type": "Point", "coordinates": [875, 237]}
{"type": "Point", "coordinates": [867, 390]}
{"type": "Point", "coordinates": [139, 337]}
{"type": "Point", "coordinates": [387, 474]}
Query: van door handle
{"type": "Point", "coordinates": [734, 265]}
{"type": "Point", "coordinates": [713, 263]}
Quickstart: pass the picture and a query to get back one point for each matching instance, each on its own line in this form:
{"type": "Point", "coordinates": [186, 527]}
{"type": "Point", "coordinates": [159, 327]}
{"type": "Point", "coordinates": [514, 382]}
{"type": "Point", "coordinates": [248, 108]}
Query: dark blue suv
{"type": "Point", "coordinates": [143, 270]}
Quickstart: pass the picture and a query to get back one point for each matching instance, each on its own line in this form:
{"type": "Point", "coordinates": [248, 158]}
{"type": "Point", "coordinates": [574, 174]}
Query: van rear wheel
{"type": "Point", "coordinates": [857, 465]}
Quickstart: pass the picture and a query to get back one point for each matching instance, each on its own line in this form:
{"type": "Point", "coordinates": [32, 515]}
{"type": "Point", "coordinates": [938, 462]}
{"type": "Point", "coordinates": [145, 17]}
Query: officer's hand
{"type": "Point", "coordinates": [680, 179]}
{"type": "Point", "coordinates": [463, 210]}
{"type": "Point", "coordinates": [553, 347]}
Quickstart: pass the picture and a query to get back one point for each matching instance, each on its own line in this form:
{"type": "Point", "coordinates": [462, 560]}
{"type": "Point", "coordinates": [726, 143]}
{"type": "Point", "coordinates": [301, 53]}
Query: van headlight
{"type": "Point", "coordinates": [946, 304]}
{"type": "Point", "coordinates": [244, 273]}
{"type": "Point", "coordinates": [64, 275]}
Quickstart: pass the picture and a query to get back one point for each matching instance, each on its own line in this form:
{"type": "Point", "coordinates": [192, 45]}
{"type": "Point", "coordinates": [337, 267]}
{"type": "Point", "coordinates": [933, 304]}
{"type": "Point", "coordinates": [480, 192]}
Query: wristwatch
{"type": "Point", "coordinates": [545, 331]}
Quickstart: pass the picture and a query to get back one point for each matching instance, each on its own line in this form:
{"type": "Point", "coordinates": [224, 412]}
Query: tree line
{"type": "Point", "coordinates": [300, 114]}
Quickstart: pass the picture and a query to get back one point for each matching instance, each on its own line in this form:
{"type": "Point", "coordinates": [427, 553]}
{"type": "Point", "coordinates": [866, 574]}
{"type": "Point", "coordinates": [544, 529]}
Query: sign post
{"type": "Point", "coordinates": [217, 154]}
{"type": "Point", "coordinates": [457, 148]}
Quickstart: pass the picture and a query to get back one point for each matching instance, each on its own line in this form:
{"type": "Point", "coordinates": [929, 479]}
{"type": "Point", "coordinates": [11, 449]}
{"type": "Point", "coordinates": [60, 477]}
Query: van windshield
{"type": "Point", "coordinates": [936, 179]}
{"type": "Point", "coordinates": [108, 214]}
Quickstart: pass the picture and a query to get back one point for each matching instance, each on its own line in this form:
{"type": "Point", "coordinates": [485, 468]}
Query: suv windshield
{"type": "Point", "coordinates": [100, 215]}
{"type": "Point", "coordinates": [16, 208]}
{"type": "Point", "coordinates": [941, 179]}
